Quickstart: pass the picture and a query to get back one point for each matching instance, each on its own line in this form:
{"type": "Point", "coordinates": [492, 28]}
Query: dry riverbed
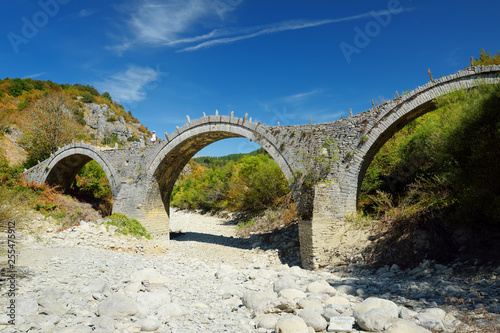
{"type": "Point", "coordinates": [86, 279]}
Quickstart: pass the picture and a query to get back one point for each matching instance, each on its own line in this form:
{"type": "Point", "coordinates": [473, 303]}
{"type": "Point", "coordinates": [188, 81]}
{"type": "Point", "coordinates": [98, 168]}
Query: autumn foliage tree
{"type": "Point", "coordinates": [50, 126]}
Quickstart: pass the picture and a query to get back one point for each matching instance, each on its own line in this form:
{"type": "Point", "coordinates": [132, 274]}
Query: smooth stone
{"type": "Point", "coordinates": [26, 307]}
{"type": "Point", "coordinates": [310, 304]}
{"type": "Point", "coordinates": [346, 289]}
{"type": "Point", "coordinates": [149, 274]}
{"type": "Point", "coordinates": [117, 306]}
{"type": "Point", "coordinates": [284, 283]}
{"type": "Point", "coordinates": [255, 299]}
{"type": "Point", "coordinates": [51, 306]}
{"type": "Point", "coordinates": [291, 324]}
{"type": "Point", "coordinates": [105, 323]}
{"type": "Point", "coordinates": [321, 287]}
{"type": "Point", "coordinates": [374, 313]}
{"type": "Point", "coordinates": [341, 324]}
{"type": "Point", "coordinates": [292, 294]}
{"type": "Point", "coordinates": [149, 324]}
{"type": "Point", "coordinates": [313, 319]}
{"type": "Point", "coordinates": [406, 327]}
{"type": "Point", "coordinates": [268, 322]}
{"type": "Point", "coordinates": [171, 310]}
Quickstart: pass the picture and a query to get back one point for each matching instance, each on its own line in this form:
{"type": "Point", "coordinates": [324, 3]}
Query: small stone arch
{"type": "Point", "coordinates": [394, 115]}
{"type": "Point", "coordinates": [186, 141]}
{"type": "Point", "coordinates": [62, 167]}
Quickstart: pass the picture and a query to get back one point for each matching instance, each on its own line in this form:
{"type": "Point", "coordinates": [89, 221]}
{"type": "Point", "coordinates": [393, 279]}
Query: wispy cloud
{"type": "Point", "coordinates": [86, 12]}
{"type": "Point", "coordinates": [301, 96]}
{"type": "Point", "coordinates": [32, 76]}
{"type": "Point", "coordinates": [172, 23]}
{"type": "Point", "coordinates": [266, 30]}
{"type": "Point", "coordinates": [130, 86]}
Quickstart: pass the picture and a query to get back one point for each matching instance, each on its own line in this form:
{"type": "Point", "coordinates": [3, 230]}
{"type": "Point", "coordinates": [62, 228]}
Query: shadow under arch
{"type": "Point", "coordinates": [183, 144]}
{"type": "Point", "coordinates": [64, 165]}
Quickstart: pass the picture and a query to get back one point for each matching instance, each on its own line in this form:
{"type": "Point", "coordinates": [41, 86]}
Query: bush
{"type": "Point", "coordinates": [88, 98]}
{"type": "Point", "coordinates": [127, 226]}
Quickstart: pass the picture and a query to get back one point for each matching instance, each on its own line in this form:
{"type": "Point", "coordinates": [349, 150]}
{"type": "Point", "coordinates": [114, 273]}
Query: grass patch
{"type": "Point", "coordinates": [127, 226]}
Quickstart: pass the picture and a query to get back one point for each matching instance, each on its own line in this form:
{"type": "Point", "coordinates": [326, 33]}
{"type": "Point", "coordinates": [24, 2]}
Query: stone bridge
{"type": "Point", "coordinates": [324, 163]}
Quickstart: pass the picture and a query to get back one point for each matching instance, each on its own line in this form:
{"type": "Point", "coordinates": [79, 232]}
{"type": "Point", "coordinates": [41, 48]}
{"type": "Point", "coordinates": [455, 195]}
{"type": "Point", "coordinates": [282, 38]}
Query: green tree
{"type": "Point", "coordinates": [50, 126]}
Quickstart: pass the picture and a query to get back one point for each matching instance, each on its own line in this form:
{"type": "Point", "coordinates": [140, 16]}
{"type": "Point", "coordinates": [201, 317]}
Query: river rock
{"type": "Point", "coordinates": [321, 287]}
{"type": "Point", "coordinates": [374, 313]}
{"type": "Point", "coordinates": [406, 327]}
{"type": "Point", "coordinates": [254, 299]}
{"type": "Point", "coordinates": [313, 319]}
{"type": "Point", "coordinates": [291, 324]}
{"type": "Point", "coordinates": [51, 306]}
{"type": "Point", "coordinates": [117, 306]}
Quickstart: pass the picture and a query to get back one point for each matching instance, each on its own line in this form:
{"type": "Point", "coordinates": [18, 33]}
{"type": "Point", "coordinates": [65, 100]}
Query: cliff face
{"type": "Point", "coordinates": [102, 119]}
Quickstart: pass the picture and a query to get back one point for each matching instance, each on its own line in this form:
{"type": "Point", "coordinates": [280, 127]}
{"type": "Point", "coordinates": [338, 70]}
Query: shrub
{"type": "Point", "coordinates": [127, 226]}
{"type": "Point", "coordinates": [88, 98]}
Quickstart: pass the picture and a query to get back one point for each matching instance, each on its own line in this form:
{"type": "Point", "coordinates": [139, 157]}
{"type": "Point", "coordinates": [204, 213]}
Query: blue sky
{"type": "Point", "coordinates": [285, 61]}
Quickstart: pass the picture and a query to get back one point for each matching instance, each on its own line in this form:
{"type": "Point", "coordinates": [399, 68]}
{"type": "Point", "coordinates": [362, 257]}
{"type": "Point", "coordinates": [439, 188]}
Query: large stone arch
{"type": "Point", "coordinates": [62, 167]}
{"type": "Point", "coordinates": [394, 115]}
{"type": "Point", "coordinates": [186, 141]}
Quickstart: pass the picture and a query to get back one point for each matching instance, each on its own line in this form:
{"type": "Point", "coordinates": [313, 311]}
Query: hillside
{"type": "Point", "coordinates": [96, 118]}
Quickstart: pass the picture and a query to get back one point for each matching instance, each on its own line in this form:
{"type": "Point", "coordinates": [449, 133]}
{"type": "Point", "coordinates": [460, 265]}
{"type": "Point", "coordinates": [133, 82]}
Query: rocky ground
{"type": "Point", "coordinates": [87, 278]}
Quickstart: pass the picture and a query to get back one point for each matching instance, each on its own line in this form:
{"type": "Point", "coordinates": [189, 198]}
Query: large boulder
{"type": "Point", "coordinates": [373, 314]}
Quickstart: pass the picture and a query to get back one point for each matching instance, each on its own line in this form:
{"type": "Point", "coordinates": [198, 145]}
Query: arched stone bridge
{"type": "Point", "coordinates": [324, 163]}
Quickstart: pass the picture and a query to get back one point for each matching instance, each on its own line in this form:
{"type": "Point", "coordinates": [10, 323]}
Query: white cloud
{"type": "Point", "coordinates": [130, 86]}
{"type": "Point", "coordinates": [172, 22]}
{"type": "Point", "coordinates": [160, 22]}
{"type": "Point", "coordinates": [32, 76]}
{"type": "Point", "coordinates": [300, 96]}
{"type": "Point", "coordinates": [86, 12]}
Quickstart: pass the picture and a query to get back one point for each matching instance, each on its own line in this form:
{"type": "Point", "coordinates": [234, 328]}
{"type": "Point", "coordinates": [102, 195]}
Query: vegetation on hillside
{"type": "Point", "coordinates": [20, 97]}
{"type": "Point", "coordinates": [42, 116]}
{"type": "Point", "coordinates": [220, 161]}
{"type": "Point", "coordinates": [252, 183]}
{"type": "Point", "coordinates": [438, 175]}
{"type": "Point", "coordinates": [486, 59]}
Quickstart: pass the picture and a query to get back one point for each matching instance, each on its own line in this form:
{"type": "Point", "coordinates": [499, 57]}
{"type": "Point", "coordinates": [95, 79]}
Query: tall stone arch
{"type": "Point", "coordinates": [186, 141]}
{"type": "Point", "coordinates": [394, 115]}
{"type": "Point", "coordinates": [62, 167]}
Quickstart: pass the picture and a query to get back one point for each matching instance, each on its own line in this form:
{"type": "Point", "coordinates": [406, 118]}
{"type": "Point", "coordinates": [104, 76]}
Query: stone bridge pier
{"type": "Point", "coordinates": [323, 163]}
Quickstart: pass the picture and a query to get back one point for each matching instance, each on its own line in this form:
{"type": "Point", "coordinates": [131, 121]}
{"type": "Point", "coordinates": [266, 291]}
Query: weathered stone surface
{"type": "Point", "coordinates": [171, 310]}
{"type": "Point", "coordinates": [149, 274]}
{"type": "Point", "coordinates": [284, 283]}
{"type": "Point", "coordinates": [254, 299]}
{"type": "Point", "coordinates": [341, 324]}
{"type": "Point", "coordinates": [117, 306]}
{"type": "Point", "coordinates": [51, 306]}
{"type": "Point", "coordinates": [407, 327]}
{"type": "Point", "coordinates": [26, 306]}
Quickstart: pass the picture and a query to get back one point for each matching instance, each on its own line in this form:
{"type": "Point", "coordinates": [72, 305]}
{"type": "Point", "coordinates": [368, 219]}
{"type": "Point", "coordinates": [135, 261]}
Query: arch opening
{"type": "Point", "coordinates": [176, 153]}
{"type": "Point", "coordinates": [85, 178]}
{"type": "Point", "coordinates": [242, 189]}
